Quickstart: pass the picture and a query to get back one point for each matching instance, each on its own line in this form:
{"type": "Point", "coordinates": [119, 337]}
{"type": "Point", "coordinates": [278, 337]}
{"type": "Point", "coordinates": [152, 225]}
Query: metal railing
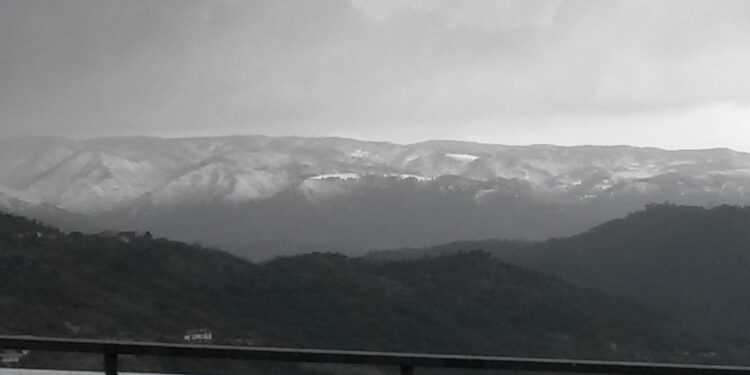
{"type": "Point", "coordinates": [405, 361]}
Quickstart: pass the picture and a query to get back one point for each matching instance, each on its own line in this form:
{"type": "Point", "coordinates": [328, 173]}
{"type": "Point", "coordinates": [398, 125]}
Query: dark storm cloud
{"type": "Point", "coordinates": [503, 71]}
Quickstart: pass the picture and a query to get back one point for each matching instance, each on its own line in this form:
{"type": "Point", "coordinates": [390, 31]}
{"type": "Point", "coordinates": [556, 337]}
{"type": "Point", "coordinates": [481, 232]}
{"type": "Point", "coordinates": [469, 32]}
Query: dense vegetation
{"type": "Point", "coordinates": [134, 287]}
{"type": "Point", "coordinates": [690, 263]}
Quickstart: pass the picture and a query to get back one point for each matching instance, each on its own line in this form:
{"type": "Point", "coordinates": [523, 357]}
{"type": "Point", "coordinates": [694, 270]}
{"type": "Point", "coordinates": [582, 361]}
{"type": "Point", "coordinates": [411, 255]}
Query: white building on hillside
{"type": "Point", "coordinates": [199, 335]}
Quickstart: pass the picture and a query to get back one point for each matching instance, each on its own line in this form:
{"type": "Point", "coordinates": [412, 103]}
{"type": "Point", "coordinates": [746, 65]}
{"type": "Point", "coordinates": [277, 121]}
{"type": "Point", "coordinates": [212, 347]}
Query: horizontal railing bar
{"type": "Point", "coordinates": [358, 357]}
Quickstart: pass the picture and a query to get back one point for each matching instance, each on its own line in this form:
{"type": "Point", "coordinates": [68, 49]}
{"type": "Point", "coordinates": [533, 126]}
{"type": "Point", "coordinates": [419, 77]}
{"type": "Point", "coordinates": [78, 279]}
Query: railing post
{"type": "Point", "coordinates": [407, 370]}
{"type": "Point", "coordinates": [110, 363]}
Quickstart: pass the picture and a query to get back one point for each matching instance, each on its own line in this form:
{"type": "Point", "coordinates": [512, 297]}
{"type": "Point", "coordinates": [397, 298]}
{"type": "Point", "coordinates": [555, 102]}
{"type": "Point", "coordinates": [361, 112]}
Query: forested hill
{"type": "Point", "coordinates": [130, 286]}
{"type": "Point", "coordinates": [690, 263]}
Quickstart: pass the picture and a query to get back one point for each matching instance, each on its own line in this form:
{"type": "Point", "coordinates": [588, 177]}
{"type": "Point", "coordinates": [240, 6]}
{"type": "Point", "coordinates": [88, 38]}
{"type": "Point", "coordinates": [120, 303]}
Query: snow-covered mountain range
{"type": "Point", "coordinates": [243, 191]}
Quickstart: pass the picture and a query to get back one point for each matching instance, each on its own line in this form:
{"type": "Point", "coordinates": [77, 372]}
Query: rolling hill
{"type": "Point", "coordinates": [688, 262]}
{"type": "Point", "coordinates": [131, 286]}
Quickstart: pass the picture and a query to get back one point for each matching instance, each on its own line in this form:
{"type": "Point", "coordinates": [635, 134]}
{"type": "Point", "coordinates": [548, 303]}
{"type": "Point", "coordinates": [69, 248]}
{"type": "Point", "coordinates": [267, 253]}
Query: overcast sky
{"type": "Point", "coordinates": [672, 74]}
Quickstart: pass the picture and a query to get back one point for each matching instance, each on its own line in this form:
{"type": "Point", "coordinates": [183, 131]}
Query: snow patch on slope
{"type": "Point", "coordinates": [337, 176]}
{"type": "Point", "coordinates": [357, 176]}
{"type": "Point", "coordinates": [462, 157]}
{"type": "Point", "coordinates": [360, 154]}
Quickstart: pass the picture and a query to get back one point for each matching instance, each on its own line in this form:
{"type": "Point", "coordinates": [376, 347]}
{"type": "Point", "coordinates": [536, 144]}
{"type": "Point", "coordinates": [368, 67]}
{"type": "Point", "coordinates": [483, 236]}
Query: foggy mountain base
{"type": "Point", "coordinates": [263, 196]}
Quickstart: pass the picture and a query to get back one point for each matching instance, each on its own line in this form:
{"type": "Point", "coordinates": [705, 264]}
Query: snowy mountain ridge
{"type": "Point", "coordinates": [90, 176]}
{"type": "Point", "coordinates": [334, 193]}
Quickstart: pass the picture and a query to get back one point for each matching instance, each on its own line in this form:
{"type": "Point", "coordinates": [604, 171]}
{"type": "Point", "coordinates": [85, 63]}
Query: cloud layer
{"type": "Point", "coordinates": [664, 73]}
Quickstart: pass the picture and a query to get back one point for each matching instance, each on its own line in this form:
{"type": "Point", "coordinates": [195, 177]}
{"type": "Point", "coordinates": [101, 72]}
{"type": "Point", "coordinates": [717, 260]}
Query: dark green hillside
{"type": "Point", "coordinates": [135, 287]}
{"type": "Point", "coordinates": [12, 226]}
{"type": "Point", "coordinates": [690, 263]}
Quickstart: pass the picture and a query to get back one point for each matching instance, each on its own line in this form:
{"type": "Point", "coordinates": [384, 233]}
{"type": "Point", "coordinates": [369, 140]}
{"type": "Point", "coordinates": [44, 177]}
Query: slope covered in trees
{"type": "Point", "coordinates": [135, 287]}
{"type": "Point", "coordinates": [690, 263]}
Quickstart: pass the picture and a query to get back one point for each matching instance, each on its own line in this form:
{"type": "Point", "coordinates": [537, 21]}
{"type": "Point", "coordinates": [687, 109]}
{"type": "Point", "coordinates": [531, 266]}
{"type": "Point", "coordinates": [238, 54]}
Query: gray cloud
{"type": "Point", "coordinates": [520, 71]}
